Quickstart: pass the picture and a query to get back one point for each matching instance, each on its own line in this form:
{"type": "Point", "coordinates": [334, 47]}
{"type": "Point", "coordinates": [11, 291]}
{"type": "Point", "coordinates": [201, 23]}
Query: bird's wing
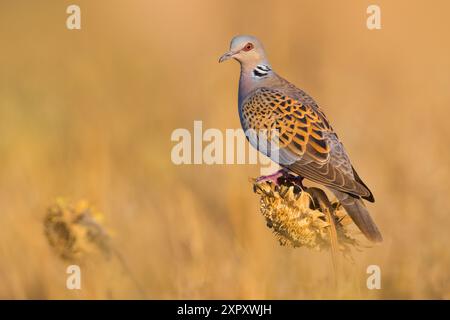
{"type": "Point", "coordinates": [307, 144]}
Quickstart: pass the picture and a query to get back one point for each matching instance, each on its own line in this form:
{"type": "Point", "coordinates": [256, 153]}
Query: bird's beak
{"type": "Point", "coordinates": [226, 56]}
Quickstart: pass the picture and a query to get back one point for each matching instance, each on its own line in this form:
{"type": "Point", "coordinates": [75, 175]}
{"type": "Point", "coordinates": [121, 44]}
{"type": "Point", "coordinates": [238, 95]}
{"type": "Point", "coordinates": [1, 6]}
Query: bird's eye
{"type": "Point", "coordinates": [248, 47]}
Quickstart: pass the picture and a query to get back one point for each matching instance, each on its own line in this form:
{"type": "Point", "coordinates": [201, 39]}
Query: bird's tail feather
{"type": "Point", "coordinates": [360, 215]}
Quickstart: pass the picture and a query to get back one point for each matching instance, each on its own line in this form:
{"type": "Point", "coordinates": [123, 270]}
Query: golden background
{"type": "Point", "coordinates": [88, 115]}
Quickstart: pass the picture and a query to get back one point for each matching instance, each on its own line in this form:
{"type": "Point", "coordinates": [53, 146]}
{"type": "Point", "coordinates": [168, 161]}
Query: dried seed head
{"type": "Point", "coordinates": [74, 231]}
{"type": "Point", "coordinates": [296, 221]}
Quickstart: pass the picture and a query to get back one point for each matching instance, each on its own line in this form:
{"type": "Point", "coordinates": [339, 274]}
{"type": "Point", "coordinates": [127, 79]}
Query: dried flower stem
{"type": "Point", "coordinates": [327, 208]}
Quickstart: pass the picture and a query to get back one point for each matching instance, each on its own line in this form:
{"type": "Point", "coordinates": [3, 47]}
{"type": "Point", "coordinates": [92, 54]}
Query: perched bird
{"type": "Point", "coordinates": [308, 146]}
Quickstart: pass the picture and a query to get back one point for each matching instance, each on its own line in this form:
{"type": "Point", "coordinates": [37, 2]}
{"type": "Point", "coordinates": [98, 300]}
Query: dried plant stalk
{"type": "Point", "coordinates": [321, 198]}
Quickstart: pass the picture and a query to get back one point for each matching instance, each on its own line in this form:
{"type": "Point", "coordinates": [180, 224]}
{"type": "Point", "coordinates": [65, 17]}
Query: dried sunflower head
{"type": "Point", "coordinates": [299, 222]}
{"type": "Point", "coordinates": [75, 231]}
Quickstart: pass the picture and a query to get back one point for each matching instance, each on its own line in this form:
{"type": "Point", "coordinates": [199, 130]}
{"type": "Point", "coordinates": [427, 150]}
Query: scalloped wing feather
{"type": "Point", "coordinates": [307, 144]}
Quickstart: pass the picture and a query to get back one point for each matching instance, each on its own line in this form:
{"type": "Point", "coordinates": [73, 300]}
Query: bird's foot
{"type": "Point", "coordinates": [272, 177]}
{"type": "Point", "coordinates": [290, 180]}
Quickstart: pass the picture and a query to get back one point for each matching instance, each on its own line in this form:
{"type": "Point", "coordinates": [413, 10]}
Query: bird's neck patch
{"type": "Point", "coordinates": [261, 71]}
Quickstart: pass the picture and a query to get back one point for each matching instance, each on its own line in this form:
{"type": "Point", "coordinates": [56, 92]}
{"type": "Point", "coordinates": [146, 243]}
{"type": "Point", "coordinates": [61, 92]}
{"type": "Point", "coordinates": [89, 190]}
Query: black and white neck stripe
{"type": "Point", "coordinates": [261, 71]}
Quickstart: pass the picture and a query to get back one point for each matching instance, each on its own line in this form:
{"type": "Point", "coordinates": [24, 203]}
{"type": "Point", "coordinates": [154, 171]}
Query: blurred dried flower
{"type": "Point", "coordinates": [298, 220]}
{"type": "Point", "coordinates": [76, 234]}
{"type": "Point", "coordinates": [75, 231]}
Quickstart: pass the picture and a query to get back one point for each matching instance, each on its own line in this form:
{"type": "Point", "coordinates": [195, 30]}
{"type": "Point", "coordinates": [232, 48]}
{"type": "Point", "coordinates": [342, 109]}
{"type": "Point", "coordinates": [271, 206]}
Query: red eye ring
{"type": "Point", "coordinates": [248, 47]}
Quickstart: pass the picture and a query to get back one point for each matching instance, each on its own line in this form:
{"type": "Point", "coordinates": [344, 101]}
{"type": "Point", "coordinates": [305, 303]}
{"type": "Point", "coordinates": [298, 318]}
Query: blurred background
{"type": "Point", "coordinates": [88, 114]}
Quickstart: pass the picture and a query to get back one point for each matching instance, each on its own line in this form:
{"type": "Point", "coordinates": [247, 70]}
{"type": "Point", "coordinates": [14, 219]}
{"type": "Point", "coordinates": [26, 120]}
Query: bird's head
{"type": "Point", "coordinates": [248, 50]}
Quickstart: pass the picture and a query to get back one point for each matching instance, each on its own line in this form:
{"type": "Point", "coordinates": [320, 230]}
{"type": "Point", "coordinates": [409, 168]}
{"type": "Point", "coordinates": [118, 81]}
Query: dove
{"type": "Point", "coordinates": [307, 143]}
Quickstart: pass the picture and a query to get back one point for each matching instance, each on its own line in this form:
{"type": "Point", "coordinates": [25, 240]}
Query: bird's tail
{"type": "Point", "coordinates": [360, 215]}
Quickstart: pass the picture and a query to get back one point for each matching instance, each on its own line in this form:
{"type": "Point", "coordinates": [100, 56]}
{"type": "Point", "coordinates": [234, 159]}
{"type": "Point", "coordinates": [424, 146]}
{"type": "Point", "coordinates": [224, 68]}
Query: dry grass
{"type": "Point", "coordinates": [88, 115]}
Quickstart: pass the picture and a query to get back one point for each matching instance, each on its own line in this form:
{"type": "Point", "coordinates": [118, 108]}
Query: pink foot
{"type": "Point", "coordinates": [272, 177]}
